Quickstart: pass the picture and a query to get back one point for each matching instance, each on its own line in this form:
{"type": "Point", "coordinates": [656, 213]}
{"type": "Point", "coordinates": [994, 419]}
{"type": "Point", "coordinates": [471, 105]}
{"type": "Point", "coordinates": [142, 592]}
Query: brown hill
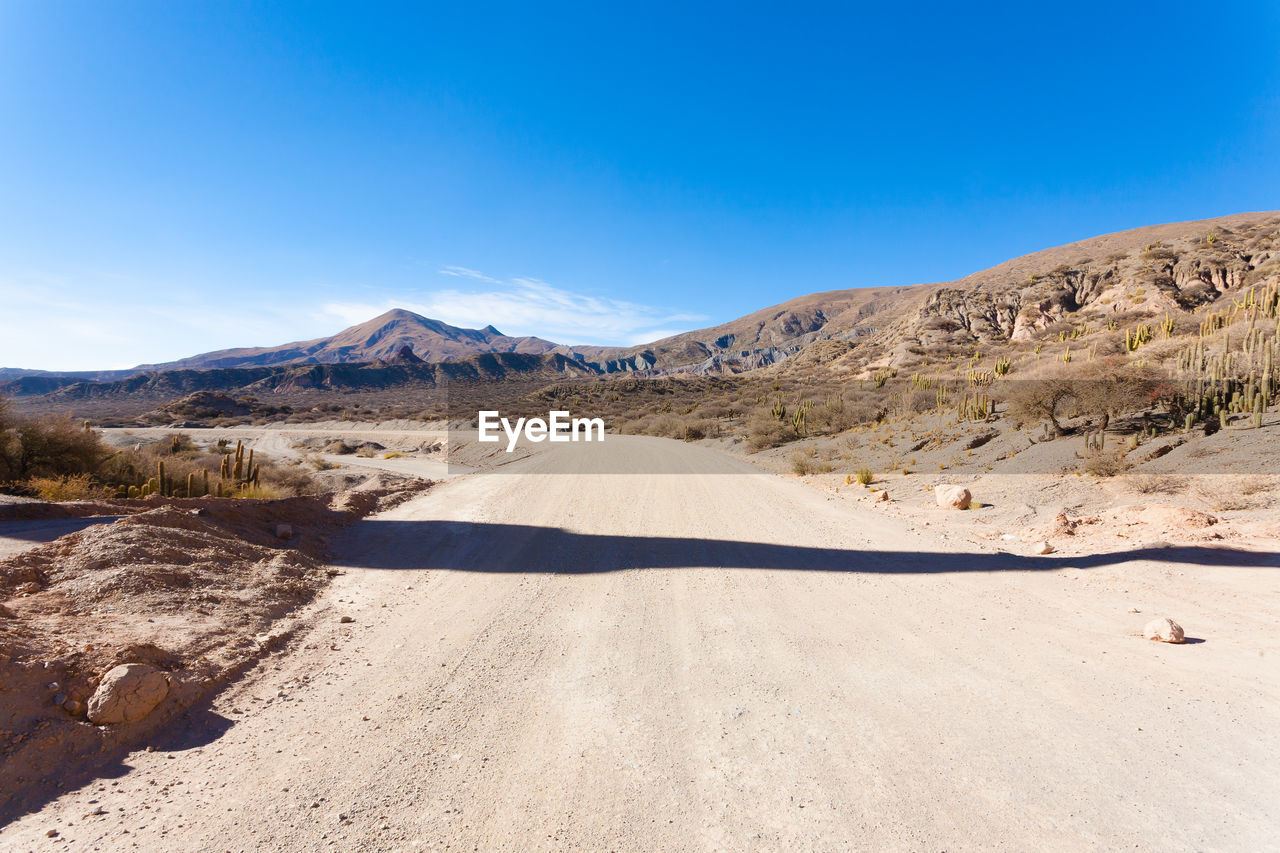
{"type": "Point", "coordinates": [381, 339]}
{"type": "Point", "coordinates": [1176, 267]}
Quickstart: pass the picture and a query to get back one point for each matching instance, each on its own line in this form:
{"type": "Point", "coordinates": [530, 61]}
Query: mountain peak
{"type": "Point", "coordinates": [397, 315]}
{"type": "Point", "coordinates": [395, 335]}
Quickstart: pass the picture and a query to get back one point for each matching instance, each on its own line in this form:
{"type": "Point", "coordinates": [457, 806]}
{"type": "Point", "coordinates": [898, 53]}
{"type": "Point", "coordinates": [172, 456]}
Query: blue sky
{"type": "Point", "coordinates": [180, 177]}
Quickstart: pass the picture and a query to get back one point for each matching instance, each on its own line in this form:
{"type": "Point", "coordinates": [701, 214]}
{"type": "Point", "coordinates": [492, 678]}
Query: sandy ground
{"type": "Point", "coordinates": [703, 656]}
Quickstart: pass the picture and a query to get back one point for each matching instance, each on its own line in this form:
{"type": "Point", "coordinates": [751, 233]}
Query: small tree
{"type": "Point", "coordinates": [47, 447]}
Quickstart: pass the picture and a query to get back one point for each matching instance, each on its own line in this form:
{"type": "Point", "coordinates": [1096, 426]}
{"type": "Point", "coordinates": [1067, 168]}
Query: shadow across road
{"type": "Point", "coordinates": [482, 547]}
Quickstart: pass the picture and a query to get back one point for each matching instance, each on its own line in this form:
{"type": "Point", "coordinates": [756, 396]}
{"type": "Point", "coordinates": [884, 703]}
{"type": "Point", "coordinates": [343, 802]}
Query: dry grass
{"type": "Point", "coordinates": [1105, 464]}
{"type": "Point", "coordinates": [1157, 484]}
{"type": "Point", "coordinates": [1223, 494]}
{"type": "Point", "coordinates": [78, 487]}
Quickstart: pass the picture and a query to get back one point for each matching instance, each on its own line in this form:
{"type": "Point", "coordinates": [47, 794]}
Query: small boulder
{"type": "Point", "coordinates": [1164, 630]}
{"type": "Point", "coordinates": [1042, 548]}
{"type": "Point", "coordinates": [882, 495]}
{"type": "Point", "coordinates": [952, 497]}
{"type": "Point", "coordinates": [346, 619]}
{"type": "Point", "coordinates": [127, 694]}
{"type": "Point", "coordinates": [284, 531]}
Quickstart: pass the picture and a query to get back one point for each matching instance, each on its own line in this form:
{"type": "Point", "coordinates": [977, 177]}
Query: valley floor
{"type": "Point", "coordinates": [688, 653]}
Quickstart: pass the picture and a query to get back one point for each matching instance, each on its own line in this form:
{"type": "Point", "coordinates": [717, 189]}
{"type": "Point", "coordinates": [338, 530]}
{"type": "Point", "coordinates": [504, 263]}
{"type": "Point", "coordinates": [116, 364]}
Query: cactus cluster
{"type": "Point", "coordinates": [798, 419]}
{"type": "Point", "coordinates": [883, 376]}
{"type": "Point", "coordinates": [921, 382]}
{"type": "Point", "coordinates": [977, 407]}
{"type": "Point", "coordinates": [238, 469]}
{"type": "Point", "coordinates": [1134, 338]}
{"type": "Point", "coordinates": [237, 472]}
{"type": "Point", "coordinates": [1223, 380]}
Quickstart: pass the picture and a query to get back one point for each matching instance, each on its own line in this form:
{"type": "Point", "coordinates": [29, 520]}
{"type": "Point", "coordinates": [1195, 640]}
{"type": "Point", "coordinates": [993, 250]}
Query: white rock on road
{"type": "Point", "coordinates": [1164, 630]}
{"type": "Point", "coordinates": [952, 497]}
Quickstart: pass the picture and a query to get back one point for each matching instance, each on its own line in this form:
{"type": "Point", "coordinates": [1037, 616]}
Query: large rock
{"type": "Point", "coordinates": [1164, 630]}
{"type": "Point", "coordinates": [127, 694]}
{"type": "Point", "coordinates": [952, 497]}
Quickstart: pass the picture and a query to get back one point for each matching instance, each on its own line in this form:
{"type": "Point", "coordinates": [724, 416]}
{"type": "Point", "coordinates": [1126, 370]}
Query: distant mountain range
{"type": "Point", "coordinates": [380, 339]}
{"type": "Point", "coordinates": [1172, 268]}
{"type": "Point", "coordinates": [383, 338]}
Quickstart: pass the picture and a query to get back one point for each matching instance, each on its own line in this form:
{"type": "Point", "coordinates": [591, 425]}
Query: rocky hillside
{"type": "Point", "coordinates": [1172, 269]}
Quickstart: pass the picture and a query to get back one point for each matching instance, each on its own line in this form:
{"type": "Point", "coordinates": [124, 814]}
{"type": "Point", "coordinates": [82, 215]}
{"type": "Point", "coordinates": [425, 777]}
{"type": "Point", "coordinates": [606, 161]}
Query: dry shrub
{"type": "Point", "coordinates": [803, 464]}
{"type": "Point", "coordinates": [77, 487]}
{"type": "Point", "coordinates": [1088, 390]}
{"type": "Point", "coordinates": [919, 401]}
{"type": "Point", "coordinates": [716, 410]}
{"type": "Point", "coordinates": [319, 463]}
{"type": "Point", "coordinates": [46, 447]}
{"type": "Point", "coordinates": [699, 429]}
{"type": "Point", "coordinates": [1231, 493]}
{"type": "Point", "coordinates": [666, 426]}
{"type": "Point", "coordinates": [1256, 485]}
{"type": "Point", "coordinates": [1152, 484]}
{"type": "Point", "coordinates": [1106, 464]}
{"type": "Point", "coordinates": [764, 432]}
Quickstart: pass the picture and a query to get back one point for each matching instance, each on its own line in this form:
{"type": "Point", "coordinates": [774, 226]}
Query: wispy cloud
{"type": "Point", "coordinates": [100, 321]}
{"type": "Point", "coordinates": [530, 306]}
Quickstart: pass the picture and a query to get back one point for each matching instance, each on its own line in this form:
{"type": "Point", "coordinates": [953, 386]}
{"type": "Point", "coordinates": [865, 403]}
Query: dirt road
{"type": "Point", "coordinates": [700, 656]}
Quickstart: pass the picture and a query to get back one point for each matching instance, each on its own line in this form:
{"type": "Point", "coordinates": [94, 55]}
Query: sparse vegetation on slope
{"type": "Point", "coordinates": [55, 458]}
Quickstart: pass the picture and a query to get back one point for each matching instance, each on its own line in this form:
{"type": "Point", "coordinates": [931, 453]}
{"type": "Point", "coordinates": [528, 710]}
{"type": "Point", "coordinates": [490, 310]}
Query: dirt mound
{"type": "Point", "coordinates": [187, 586]}
{"type": "Point", "coordinates": [1177, 517]}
